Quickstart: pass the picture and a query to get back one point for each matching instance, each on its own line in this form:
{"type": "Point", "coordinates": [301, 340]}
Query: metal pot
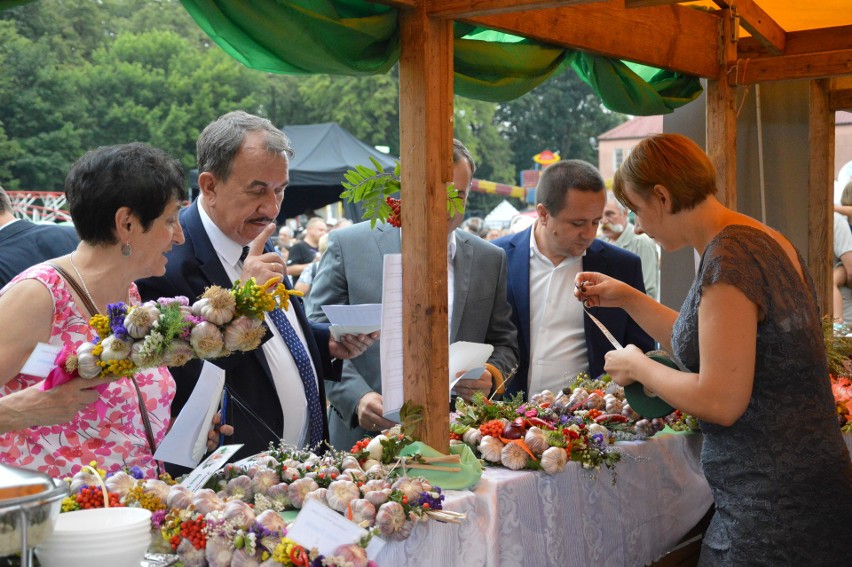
{"type": "Point", "coordinates": [29, 503]}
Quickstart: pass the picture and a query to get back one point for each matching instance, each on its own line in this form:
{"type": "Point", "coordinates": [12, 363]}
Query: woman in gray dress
{"type": "Point", "coordinates": [750, 334]}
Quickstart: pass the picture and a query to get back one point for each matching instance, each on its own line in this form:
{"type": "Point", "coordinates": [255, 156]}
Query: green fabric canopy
{"type": "Point", "coordinates": [356, 37]}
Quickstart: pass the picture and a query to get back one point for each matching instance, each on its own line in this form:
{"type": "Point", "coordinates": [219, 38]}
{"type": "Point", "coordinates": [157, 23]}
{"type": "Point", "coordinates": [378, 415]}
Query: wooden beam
{"type": "Point", "coordinates": [670, 37]}
{"type": "Point", "coordinates": [629, 4]}
{"type": "Point", "coordinates": [758, 23]}
{"type": "Point", "coordinates": [397, 3]}
{"type": "Point", "coordinates": [837, 38]}
{"type": "Point", "coordinates": [840, 94]}
{"type": "Point", "coordinates": [784, 67]}
{"type": "Point", "coordinates": [464, 8]}
{"type": "Point", "coordinates": [821, 192]}
{"type": "Point", "coordinates": [426, 113]}
{"type": "Point", "coordinates": [722, 117]}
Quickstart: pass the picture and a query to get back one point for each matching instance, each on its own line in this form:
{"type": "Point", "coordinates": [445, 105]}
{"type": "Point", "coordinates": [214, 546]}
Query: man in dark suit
{"type": "Point", "coordinates": [276, 392]}
{"type": "Point", "coordinates": [557, 339]}
{"type": "Point", "coordinates": [24, 244]}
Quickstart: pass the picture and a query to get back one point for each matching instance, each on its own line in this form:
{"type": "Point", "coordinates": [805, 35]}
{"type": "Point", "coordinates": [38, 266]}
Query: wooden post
{"type": "Point", "coordinates": [722, 115]}
{"type": "Point", "coordinates": [426, 114]}
{"type": "Point", "coordinates": [821, 192]}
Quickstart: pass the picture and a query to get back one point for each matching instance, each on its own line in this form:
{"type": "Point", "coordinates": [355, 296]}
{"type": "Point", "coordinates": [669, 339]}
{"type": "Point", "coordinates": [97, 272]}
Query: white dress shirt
{"type": "Point", "coordinates": [557, 336]}
{"type": "Point", "coordinates": [285, 373]}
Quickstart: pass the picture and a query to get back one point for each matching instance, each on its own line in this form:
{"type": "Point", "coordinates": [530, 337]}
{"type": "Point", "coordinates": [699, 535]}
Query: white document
{"type": "Point", "coordinates": [217, 459]}
{"type": "Point", "coordinates": [186, 441]}
{"type": "Point", "coordinates": [469, 358]}
{"type": "Point", "coordinates": [42, 360]}
{"type": "Point", "coordinates": [393, 394]}
{"type": "Point", "coordinates": [318, 526]}
{"type": "Point", "coordinates": [353, 319]}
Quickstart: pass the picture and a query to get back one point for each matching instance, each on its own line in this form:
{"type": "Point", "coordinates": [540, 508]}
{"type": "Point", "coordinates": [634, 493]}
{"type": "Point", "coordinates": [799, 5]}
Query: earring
{"type": "Point", "coordinates": [126, 249]}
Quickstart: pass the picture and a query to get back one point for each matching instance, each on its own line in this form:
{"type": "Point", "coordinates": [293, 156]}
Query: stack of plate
{"type": "Point", "coordinates": [114, 537]}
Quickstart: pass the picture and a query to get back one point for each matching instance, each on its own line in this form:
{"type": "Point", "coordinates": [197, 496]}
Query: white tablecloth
{"type": "Point", "coordinates": [569, 519]}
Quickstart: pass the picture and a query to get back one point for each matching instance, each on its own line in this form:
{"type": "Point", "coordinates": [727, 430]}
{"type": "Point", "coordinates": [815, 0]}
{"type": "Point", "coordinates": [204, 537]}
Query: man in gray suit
{"type": "Point", "coordinates": [350, 272]}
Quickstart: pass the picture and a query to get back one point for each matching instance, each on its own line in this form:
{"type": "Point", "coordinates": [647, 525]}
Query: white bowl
{"type": "Point", "coordinates": [99, 545]}
{"type": "Point", "coordinates": [95, 535]}
{"type": "Point", "coordinates": [125, 555]}
{"type": "Point", "coordinates": [101, 521]}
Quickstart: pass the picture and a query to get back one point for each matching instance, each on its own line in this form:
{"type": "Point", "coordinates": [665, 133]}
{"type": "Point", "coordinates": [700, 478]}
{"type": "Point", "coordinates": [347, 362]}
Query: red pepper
{"type": "Point", "coordinates": [540, 423]}
{"type": "Point", "coordinates": [610, 418]}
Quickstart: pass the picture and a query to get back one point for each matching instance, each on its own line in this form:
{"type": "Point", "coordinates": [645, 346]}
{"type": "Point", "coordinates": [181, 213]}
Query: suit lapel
{"type": "Point", "coordinates": [208, 259]}
{"type": "Point", "coordinates": [518, 265]}
{"type": "Point", "coordinates": [462, 273]}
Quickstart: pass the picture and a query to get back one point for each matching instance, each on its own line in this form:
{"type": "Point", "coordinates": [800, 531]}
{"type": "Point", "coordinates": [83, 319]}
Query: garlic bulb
{"type": "Point", "coordinates": [206, 501]}
{"type": "Point", "coordinates": [514, 457]}
{"type": "Point", "coordinates": [87, 365]}
{"type": "Point", "coordinates": [554, 460]}
{"type": "Point", "coordinates": [374, 447]}
{"type": "Point", "coordinates": [241, 558]}
{"type": "Point", "coordinates": [352, 554]}
{"type": "Point", "coordinates": [320, 495]}
{"type": "Point", "coordinates": [115, 348]}
{"type": "Point", "coordinates": [179, 497]}
{"type": "Point", "coordinates": [626, 410]}
{"type": "Point", "coordinates": [410, 487]}
{"type": "Point", "coordinates": [341, 493]}
{"type": "Point", "coordinates": [279, 496]}
{"type": "Point", "coordinates": [141, 357]}
{"type": "Point", "coordinates": [290, 474]}
{"type": "Point", "coordinates": [595, 428]}
{"type": "Point", "coordinates": [217, 305]}
{"type": "Point", "coordinates": [377, 497]}
{"type": "Point", "coordinates": [244, 333]}
{"type": "Point", "coordinates": [370, 463]}
{"type": "Point", "coordinates": [355, 475]}
{"type": "Point", "coordinates": [472, 436]}
{"type": "Point", "coordinates": [374, 484]}
{"type": "Point", "coordinates": [157, 488]}
{"type": "Point", "coordinates": [613, 404]}
{"type": "Point", "coordinates": [271, 521]}
{"type": "Point", "coordinates": [239, 513]}
{"type": "Point", "coordinates": [119, 483]}
{"type": "Point", "coordinates": [240, 487]}
{"type": "Point", "coordinates": [298, 489]}
{"type": "Point", "coordinates": [263, 479]}
{"type": "Point", "coordinates": [594, 401]}
{"type": "Point", "coordinates": [83, 479]}
{"type": "Point", "coordinates": [140, 319]}
{"type": "Point", "coordinates": [180, 352]}
{"type": "Point", "coordinates": [390, 518]}
{"type": "Point", "coordinates": [536, 440]}
{"type": "Point", "coordinates": [545, 396]}
{"type": "Point", "coordinates": [350, 462]}
{"type": "Point", "coordinates": [206, 340]}
{"type": "Point", "coordinates": [491, 449]}
{"type": "Point", "coordinates": [219, 551]}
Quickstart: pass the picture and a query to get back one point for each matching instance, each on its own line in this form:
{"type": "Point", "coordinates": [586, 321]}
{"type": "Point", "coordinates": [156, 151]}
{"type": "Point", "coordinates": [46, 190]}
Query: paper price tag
{"type": "Point", "coordinates": [41, 361]}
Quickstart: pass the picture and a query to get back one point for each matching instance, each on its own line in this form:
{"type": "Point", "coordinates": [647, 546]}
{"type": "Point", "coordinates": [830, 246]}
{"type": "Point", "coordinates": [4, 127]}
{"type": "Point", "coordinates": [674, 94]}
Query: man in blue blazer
{"type": "Point", "coordinates": [557, 339]}
{"type": "Point", "coordinates": [24, 244]}
{"type": "Point", "coordinates": [243, 164]}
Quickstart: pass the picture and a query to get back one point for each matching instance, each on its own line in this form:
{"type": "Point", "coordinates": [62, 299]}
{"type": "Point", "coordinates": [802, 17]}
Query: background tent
{"type": "Point", "coordinates": [501, 215]}
{"type": "Point", "coordinates": [324, 152]}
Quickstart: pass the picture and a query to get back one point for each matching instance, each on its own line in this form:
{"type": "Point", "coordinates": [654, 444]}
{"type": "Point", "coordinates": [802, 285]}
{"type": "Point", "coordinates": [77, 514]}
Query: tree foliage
{"type": "Point", "coordinates": [79, 74]}
{"type": "Point", "coordinates": [563, 115]}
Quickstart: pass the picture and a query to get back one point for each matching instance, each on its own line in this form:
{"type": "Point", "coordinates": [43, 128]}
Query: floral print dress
{"type": "Point", "coordinates": [116, 441]}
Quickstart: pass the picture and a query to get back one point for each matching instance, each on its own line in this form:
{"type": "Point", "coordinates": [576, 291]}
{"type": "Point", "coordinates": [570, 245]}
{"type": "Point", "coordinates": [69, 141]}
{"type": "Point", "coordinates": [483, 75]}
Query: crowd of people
{"type": "Point", "coordinates": [755, 376]}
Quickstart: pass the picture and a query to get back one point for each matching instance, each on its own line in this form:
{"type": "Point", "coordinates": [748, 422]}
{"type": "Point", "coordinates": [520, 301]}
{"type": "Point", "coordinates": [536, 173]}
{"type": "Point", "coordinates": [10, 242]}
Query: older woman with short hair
{"type": "Point", "coordinates": [124, 201]}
